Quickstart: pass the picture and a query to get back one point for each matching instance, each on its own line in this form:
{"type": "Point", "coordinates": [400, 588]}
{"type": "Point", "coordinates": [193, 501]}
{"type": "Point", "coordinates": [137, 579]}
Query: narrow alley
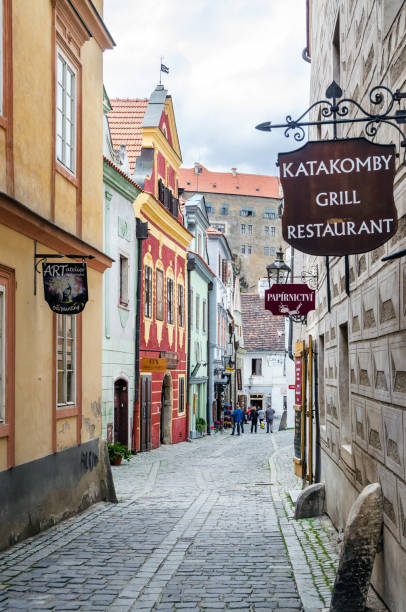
{"type": "Point", "coordinates": [198, 526]}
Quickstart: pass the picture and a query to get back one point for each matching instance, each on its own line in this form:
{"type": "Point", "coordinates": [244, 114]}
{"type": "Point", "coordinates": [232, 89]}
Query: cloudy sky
{"type": "Point", "coordinates": [233, 64]}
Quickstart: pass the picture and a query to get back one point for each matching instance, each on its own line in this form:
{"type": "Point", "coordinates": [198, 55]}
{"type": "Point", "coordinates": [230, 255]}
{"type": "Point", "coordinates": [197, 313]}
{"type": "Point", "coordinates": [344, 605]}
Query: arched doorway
{"type": "Point", "coordinates": [121, 411]}
{"type": "Point", "coordinates": [166, 409]}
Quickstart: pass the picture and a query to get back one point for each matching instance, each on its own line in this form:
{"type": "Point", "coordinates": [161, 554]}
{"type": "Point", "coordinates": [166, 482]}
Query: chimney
{"type": "Point", "coordinates": [234, 171]}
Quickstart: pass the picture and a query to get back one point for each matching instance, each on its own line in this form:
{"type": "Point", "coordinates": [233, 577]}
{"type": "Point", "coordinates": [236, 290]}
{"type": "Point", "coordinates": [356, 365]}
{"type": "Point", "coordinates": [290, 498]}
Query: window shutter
{"type": "Point", "coordinates": [224, 270]}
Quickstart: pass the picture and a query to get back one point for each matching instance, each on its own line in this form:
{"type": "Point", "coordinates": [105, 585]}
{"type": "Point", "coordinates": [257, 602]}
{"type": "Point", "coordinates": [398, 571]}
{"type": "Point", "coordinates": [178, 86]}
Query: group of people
{"type": "Point", "coordinates": [240, 418]}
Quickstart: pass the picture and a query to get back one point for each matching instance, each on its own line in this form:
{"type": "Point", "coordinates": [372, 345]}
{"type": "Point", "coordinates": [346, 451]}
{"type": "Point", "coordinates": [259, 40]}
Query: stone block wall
{"type": "Point", "coordinates": [363, 427]}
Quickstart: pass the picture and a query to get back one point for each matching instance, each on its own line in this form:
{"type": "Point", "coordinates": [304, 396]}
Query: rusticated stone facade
{"type": "Point", "coordinates": [361, 342]}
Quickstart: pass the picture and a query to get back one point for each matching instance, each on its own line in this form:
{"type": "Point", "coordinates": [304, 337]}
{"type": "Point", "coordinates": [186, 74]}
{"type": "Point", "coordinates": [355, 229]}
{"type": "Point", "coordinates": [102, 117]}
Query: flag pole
{"type": "Point", "coordinates": [160, 71]}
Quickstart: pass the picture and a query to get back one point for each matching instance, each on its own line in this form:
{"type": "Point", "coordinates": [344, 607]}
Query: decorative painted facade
{"type": "Point", "coordinates": [148, 131]}
{"type": "Point", "coordinates": [361, 337]}
{"type": "Point", "coordinates": [200, 284]}
{"type": "Point", "coordinates": [120, 293]}
{"type": "Point", "coordinates": [51, 182]}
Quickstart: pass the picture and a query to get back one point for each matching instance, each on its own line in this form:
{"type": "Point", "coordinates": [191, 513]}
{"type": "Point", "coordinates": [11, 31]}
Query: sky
{"type": "Point", "coordinates": [232, 64]}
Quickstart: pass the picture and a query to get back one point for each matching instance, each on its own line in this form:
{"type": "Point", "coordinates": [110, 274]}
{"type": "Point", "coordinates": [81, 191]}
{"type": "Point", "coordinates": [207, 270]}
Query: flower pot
{"type": "Point", "coordinates": [117, 460]}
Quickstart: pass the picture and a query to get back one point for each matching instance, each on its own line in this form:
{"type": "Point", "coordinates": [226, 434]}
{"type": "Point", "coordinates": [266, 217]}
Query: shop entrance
{"type": "Point", "coordinates": [121, 411]}
{"type": "Point", "coordinates": [257, 401]}
{"type": "Point", "coordinates": [166, 410]}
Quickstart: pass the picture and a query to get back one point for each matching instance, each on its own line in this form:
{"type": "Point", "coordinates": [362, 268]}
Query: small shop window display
{"type": "Point", "coordinates": [227, 416]}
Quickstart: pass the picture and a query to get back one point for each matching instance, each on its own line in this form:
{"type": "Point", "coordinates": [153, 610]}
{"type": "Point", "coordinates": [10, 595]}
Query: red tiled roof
{"type": "Point", "coordinates": [113, 165]}
{"type": "Point", "coordinates": [260, 327]}
{"type": "Point", "coordinates": [225, 182]}
{"type": "Point", "coordinates": [125, 120]}
{"type": "Point", "coordinates": [214, 231]}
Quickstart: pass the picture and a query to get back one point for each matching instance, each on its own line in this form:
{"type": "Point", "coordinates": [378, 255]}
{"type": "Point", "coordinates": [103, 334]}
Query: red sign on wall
{"type": "Point", "coordinates": [298, 381]}
{"type": "Point", "coordinates": [290, 299]}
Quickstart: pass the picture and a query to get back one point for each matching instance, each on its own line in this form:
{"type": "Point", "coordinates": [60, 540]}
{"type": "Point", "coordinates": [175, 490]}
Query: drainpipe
{"type": "Point", "coordinates": [190, 267]}
{"type": "Point", "coordinates": [141, 233]}
{"type": "Point", "coordinates": [209, 412]}
{"type": "Point", "coordinates": [290, 336]}
{"type": "Point", "coordinates": [317, 416]}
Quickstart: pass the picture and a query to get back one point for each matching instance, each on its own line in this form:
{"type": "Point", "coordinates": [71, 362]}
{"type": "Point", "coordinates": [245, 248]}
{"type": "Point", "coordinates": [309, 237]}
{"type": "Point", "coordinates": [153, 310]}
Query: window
{"type": "Point", "coordinates": [224, 271]}
{"type": "Point", "coordinates": [269, 213]}
{"type": "Point", "coordinates": [2, 354]}
{"type": "Point", "coordinates": [199, 244]}
{"type": "Point", "coordinates": [273, 229]}
{"type": "Point", "coordinates": [219, 266]}
{"type": "Point", "coordinates": [148, 292]}
{"type": "Point", "coordinates": [242, 228]}
{"type": "Point", "coordinates": [123, 280]}
{"type": "Point", "coordinates": [181, 402]}
{"type": "Point", "coordinates": [249, 249]}
{"type": "Point", "coordinates": [204, 315]}
{"type": "Point", "coordinates": [250, 230]}
{"type": "Point", "coordinates": [66, 113]}
{"type": "Point", "coordinates": [159, 295]}
{"type": "Point", "coordinates": [169, 300]}
{"type": "Point", "coordinates": [180, 306]}
{"type": "Point", "coordinates": [209, 208]}
{"type": "Point", "coordinates": [272, 250]}
{"type": "Point", "coordinates": [247, 212]}
{"type": "Point", "coordinates": [191, 308]}
{"type": "Point", "coordinates": [66, 359]}
{"type": "Point", "coordinates": [220, 227]}
{"type": "Point", "coordinates": [266, 230]}
{"type": "Point", "coordinates": [224, 210]}
{"type": "Point", "coordinates": [243, 249]}
{"type": "Point", "coordinates": [197, 312]}
{"type": "Point", "coordinates": [266, 250]}
{"type": "Point", "coordinates": [256, 367]}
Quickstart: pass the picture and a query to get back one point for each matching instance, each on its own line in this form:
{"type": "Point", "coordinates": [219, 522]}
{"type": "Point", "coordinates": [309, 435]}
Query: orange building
{"type": "Point", "coordinates": [147, 128]}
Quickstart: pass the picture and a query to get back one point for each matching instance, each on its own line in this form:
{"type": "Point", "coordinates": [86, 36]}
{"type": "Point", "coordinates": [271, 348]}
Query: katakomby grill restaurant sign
{"type": "Point", "coordinates": [65, 286]}
{"type": "Point", "coordinates": [338, 196]}
{"type": "Point", "coordinates": [290, 299]}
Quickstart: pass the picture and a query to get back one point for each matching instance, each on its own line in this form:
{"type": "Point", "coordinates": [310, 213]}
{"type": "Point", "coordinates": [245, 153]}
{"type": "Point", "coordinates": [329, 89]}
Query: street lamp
{"type": "Point", "coordinates": [278, 271]}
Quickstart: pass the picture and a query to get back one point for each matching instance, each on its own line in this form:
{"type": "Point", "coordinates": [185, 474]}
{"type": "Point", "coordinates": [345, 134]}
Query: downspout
{"type": "Point", "coordinates": [209, 412]}
{"type": "Point", "coordinates": [141, 234]}
{"type": "Point", "coordinates": [317, 416]}
{"type": "Point", "coordinates": [290, 336]}
{"type": "Point", "coordinates": [189, 268]}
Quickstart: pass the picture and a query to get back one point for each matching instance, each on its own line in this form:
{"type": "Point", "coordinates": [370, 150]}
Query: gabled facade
{"type": "Point", "coordinates": [120, 292]}
{"type": "Point", "coordinates": [148, 131]}
{"type": "Point", "coordinates": [51, 193]}
{"type": "Point", "coordinates": [221, 349]}
{"type": "Point", "coordinates": [200, 283]}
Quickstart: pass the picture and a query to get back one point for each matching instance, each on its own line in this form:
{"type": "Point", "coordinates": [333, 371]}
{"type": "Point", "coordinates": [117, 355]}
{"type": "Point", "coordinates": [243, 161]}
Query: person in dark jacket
{"type": "Point", "coordinates": [269, 414]}
{"type": "Point", "coordinates": [254, 419]}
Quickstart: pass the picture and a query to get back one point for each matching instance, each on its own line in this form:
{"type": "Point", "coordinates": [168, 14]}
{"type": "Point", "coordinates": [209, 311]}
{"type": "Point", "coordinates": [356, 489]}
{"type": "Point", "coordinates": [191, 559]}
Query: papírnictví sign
{"type": "Point", "coordinates": [338, 196]}
{"type": "Point", "coordinates": [290, 299]}
{"type": "Point", "coordinates": [65, 286]}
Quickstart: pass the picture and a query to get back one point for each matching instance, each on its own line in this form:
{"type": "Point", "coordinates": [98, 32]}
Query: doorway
{"type": "Point", "coordinates": [166, 410]}
{"type": "Point", "coordinates": [145, 413]}
{"type": "Point", "coordinates": [121, 411]}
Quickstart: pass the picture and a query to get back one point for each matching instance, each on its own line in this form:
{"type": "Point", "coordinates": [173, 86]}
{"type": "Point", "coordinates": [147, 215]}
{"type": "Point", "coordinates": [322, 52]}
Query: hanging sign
{"type": "Point", "coordinates": [153, 364]}
{"type": "Point", "coordinates": [290, 299]}
{"type": "Point", "coordinates": [338, 196]}
{"type": "Point", "coordinates": [65, 286]}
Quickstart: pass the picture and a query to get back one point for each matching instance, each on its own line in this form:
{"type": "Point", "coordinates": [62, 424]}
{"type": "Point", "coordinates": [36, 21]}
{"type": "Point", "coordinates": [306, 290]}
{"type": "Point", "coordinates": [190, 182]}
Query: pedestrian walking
{"type": "Point", "coordinates": [237, 418]}
{"type": "Point", "coordinates": [261, 416]}
{"type": "Point", "coordinates": [254, 419]}
{"type": "Point", "coordinates": [269, 415]}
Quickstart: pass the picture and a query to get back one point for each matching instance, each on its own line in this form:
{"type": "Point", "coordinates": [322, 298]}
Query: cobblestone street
{"type": "Point", "coordinates": [198, 526]}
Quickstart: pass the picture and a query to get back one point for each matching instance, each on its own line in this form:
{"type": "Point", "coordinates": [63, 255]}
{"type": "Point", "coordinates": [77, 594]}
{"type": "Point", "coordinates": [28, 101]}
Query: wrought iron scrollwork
{"type": "Point", "coordinates": [337, 112]}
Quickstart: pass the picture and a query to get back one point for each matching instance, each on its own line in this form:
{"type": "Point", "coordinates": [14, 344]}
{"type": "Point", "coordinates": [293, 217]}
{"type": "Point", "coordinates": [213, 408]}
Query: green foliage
{"type": "Point", "coordinates": [200, 424]}
{"type": "Point", "coordinates": [118, 450]}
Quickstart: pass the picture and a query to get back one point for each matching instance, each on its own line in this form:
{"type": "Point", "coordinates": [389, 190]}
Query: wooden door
{"type": "Point", "coordinates": [145, 413]}
{"type": "Point", "coordinates": [121, 412]}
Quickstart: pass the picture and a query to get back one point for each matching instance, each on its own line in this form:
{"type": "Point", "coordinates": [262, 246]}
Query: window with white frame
{"type": "Point", "coordinates": [243, 249]}
{"type": "Point", "coordinates": [266, 230]}
{"type": "Point", "coordinates": [249, 249]}
{"type": "Point", "coordinates": [197, 312]}
{"type": "Point", "coordinates": [242, 228]}
{"type": "Point", "coordinates": [123, 280]}
{"type": "Point", "coordinates": [2, 354]}
{"type": "Point", "coordinates": [273, 230]}
{"type": "Point", "coordinates": [204, 316]}
{"type": "Point", "coordinates": [250, 230]}
{"type": "Point", "coordinates": [66, 359]}
{"type": "Point", "coordinates": [66, 113]}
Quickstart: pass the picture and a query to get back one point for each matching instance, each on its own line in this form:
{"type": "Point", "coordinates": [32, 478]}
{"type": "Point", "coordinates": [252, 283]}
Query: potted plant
{"type": "Point", "coordinates": [118, 452]}
{"type": "Point", "coordinates": [200, 425]}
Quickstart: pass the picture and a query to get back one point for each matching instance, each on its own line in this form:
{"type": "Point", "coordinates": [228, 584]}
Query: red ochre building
{"type": "Point", "coordinates": [148, 130]}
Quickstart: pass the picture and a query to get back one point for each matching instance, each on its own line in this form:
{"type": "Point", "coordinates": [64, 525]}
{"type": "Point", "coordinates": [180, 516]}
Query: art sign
{"type": "Point", "coordinates": [290, 299]}
{"type": "Point", "coordinates": [65, 286]}
{"type": "Point", "coordinates": [338, 196]}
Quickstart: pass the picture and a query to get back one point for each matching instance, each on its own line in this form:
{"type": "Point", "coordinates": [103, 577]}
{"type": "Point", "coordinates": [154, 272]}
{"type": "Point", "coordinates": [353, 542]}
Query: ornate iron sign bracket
{"type": "Point", "coordinates": [337, 111]}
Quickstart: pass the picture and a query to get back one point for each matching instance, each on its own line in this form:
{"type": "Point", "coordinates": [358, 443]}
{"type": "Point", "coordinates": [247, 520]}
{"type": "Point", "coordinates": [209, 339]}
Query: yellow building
{"type": "Point", "coordinates": [51, 194]}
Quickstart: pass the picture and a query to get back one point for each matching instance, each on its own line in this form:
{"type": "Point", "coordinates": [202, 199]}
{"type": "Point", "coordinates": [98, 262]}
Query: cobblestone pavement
{"type": "Point", "coordinates": [198, 526]}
